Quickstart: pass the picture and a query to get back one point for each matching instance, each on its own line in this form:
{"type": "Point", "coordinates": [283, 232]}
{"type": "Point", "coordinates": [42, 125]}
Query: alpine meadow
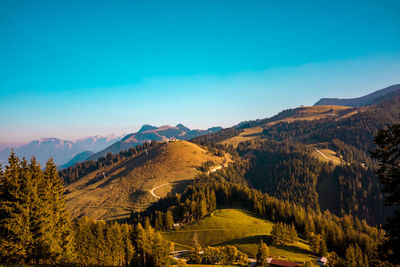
{"type": "Point", "coordinates": [200, 133]}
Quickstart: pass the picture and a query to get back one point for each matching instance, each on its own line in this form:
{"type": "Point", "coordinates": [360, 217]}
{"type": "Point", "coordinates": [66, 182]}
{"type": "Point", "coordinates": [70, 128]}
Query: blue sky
{"type": "Point", "coordinates": [70, 69]}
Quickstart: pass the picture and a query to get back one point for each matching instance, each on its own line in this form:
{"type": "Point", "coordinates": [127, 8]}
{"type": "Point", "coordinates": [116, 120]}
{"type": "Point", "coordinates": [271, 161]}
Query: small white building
{"type": "Point", "coordinates": [322, 261]}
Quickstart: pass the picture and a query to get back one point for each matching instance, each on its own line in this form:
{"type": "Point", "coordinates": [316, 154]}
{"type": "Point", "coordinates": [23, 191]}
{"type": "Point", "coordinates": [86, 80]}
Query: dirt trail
{"type": "Point", "coordinates": [152, 190]}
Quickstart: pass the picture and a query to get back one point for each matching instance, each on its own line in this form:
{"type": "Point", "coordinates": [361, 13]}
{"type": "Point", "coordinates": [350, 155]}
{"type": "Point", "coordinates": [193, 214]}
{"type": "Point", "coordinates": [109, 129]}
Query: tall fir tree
{"type": "Point", "coordinates": [15, 238]}
{"type": "Point", "coordinates": [40, 216]}
{"type": "Point", "coordinates": [262, 254]}
{"type": "Point", "coordinates": [62, 249]}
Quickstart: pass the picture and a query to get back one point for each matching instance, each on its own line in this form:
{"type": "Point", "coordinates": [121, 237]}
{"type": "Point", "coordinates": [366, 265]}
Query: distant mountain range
{"type": "Point", "coordinates": [362, 101]}
{"type": "Point", "coordinates": [60, 150]}
{"type": "Point", "coordinates": [148, 133]}
{"type": "Point", "coordinates": [67, 153]}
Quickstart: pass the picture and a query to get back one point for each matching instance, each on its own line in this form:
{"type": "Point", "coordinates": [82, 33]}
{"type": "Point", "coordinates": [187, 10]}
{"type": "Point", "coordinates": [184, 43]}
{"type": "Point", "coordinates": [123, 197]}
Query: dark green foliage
{"type": "Point", "coordinates": [151, 248]}
{"type": "Point", "coordinates": [355, 257]}
{"type": "Point", "coordinates": [336, 232]}
{"type": "Point", "coordinates": [35, 227]}
{"type": "Point", "coordinates": [211, 255]}
{"type": "Point", "coordinates": [98, 243]}
{"type": "Point", "coordinates": [211, 140]}
{"type": "Point", "coordinates": [16, 237]}
{"type": "Point", "coordinates": [388, 154]}
{"type": "Point", "coordinates": [283, 233]}
{"type": "Point", "coordinates": [283, 170]}
{"type": "Point", "coordinates": [262, 254]}
{"type": "Point", "coordinates": [34, 224]}
{"type": "Point", "coordinates": [288, 171]}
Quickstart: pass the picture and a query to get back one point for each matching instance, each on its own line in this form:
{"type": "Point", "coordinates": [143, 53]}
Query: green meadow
{"type": "Point", "coordinates": [239, 228]}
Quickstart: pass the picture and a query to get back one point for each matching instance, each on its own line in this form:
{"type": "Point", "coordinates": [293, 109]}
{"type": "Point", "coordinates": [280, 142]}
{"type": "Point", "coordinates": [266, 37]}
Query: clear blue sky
{"type": "Point", "coordinates": [70, 69]}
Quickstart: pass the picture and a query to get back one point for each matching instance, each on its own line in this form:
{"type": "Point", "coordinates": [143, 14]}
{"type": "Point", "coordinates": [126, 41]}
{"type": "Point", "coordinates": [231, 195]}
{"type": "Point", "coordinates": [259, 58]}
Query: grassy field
{"type": "Point", "coordinates": [327, 155]}
{"type": "Point", "coordinates": [239, 228]}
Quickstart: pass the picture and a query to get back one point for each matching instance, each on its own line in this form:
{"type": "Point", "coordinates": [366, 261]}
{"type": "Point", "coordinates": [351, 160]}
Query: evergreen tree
{"type": "Point", "coordinates": [61, 247]}
{"type": "Point", "coordinates": [168, 220]}
{"type": "Point", "coordinates": [129, 249]}
{"type": "Point", "coordinates": [323, 250]}
{"type": "Point", "coordinates": [40, 215]}
{"type": "Point", "coordinates": [262, 254]}
{"type": "Point", "coordinates": [15, 238]}
{"type": "Point", "coordinates": [350, 257]}
{"type": "Point", "coordinates": [388, 154]}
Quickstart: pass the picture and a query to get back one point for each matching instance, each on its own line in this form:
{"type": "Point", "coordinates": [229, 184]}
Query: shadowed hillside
{"type": "Point", "coordinates": [360, 101]}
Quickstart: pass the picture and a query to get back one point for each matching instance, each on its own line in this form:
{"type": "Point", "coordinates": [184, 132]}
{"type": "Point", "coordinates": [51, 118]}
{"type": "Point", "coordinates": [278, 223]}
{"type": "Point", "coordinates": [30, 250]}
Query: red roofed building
{"type": "Point", "coordinates": [282, 263]}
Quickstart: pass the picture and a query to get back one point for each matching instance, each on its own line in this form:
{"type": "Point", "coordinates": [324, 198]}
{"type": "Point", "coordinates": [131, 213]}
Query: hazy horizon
{"type": "Point", "coordinates": [76, 69]}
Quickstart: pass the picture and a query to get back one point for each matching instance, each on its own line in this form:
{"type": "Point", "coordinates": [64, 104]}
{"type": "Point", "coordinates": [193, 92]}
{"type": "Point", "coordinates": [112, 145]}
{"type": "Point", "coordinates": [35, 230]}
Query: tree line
{"type": "Point", "coordinates": [71, 174]}
{"type": "Point", "coordinates": [35, 226]}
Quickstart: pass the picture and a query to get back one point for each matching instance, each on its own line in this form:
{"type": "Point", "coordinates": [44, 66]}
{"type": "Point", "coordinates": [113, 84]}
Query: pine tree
{"type": "Point", "coordinates": [323, 250]}
{"type": "Point", "coordinates": [350, 257]}
{"type": "Point", "coordinates": [61, 248]}
{"type": "Point", "coordinates": [388, 154]}
{"type": "Point", "coordinates": [29, 194]}
{"type": "Point", "coordinates": [293, 234]}
{"type": "Point", "coordinates": [168, 220]}
{"type": "Point", "coordinates": [159, 222]}
{"type": "Point", "coordinates": [262, 254]}
{"type": "Point", "coordinates": [40, 215]}
{"type": "Point", "coordinates": [129, 249]}
{"type": "Point", "coordinates": [15, 236]}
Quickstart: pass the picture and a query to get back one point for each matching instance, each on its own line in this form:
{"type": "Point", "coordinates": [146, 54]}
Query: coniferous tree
{"type": "Point", "coordinates": [168, 220]}
{"type": "Point", "coordinates": [15, 238]}
{"type": "Point", "coordinates": [61, 247]}
{"type": "Point", "coordinates": [388, 154]}
{"type": "Point", "coordinates": [40, 215]}
{"type": "Point", "coordinates": [323, 250]}
{"type": "Point", "coordinates": [350, 257]}
{"type": "Point", "coordinates": [262, 254]}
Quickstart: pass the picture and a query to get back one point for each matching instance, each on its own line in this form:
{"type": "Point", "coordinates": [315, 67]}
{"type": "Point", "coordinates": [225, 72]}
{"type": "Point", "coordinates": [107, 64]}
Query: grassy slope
{"type": "Point", "coordinates": [239, 228]}
{"type": "Point", "coordinates": [303, 113]}
{"type": "Point", "coordinates": [330, 156]}
{"type": "Point", "coordinates": [128, 182]}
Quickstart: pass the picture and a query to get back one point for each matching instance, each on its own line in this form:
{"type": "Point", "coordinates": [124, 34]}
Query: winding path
{"type": "Point", "coordinates": [152, 190]}
{"type": "Point", "coordinates": [316, 149]}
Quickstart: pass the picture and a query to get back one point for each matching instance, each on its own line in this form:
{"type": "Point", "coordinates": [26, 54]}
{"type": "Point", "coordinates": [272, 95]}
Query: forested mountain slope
{"type": "Point", "coordinates": [285, 158]}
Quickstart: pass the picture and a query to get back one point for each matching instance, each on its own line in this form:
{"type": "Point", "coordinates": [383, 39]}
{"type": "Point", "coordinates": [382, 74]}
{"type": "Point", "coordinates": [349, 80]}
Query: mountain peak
{"type": "Point", "coordinates": [146, 127]}
{"type": "Point", "coordinates": [182, 127]}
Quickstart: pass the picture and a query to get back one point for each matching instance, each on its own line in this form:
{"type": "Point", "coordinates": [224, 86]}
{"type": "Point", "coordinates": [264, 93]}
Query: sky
{"type": "Point", "coordinates": [70, 69]}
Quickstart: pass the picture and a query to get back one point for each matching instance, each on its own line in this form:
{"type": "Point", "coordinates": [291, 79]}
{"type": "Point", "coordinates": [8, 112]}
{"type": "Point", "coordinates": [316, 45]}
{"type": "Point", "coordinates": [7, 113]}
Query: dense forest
{"type": "Point", "coordinates": [288, 171]}
{"type": "Point", "coordinates": [35, 227]}
{"type": "Point", "coordinates": [341, 236]}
